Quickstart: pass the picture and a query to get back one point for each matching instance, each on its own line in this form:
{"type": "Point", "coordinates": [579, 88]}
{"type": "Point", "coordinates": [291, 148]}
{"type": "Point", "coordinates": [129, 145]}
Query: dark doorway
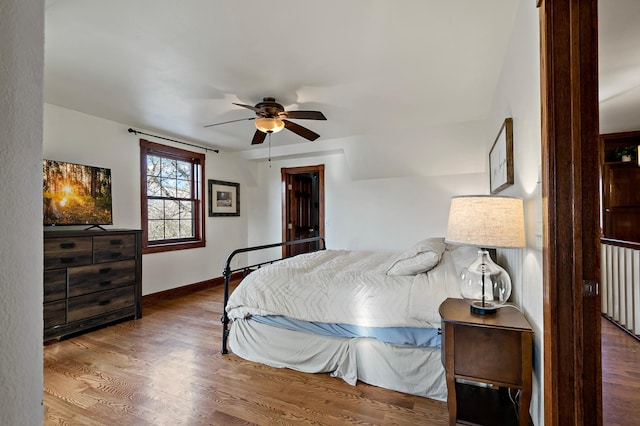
{"type": "Point", "coordinates": [303, 207]}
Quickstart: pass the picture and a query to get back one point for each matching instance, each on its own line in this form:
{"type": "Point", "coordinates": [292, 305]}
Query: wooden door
{"type": "Point", "coordinates": [303, 207]}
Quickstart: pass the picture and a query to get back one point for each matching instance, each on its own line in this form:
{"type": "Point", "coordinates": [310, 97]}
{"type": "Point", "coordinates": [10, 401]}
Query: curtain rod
{"type": "Point", "coordinates": [173, 140]}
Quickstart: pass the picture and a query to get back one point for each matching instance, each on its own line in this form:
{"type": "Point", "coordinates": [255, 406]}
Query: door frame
{"type": "Point", "coordinates": [285, 173]}
{"type": "Point", "coordinates": [571, 227]}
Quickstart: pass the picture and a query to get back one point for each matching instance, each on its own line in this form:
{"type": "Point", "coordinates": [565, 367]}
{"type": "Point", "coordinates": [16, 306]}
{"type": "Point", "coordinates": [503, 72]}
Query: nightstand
{"type": "Point", "coordinates": [486, 357]}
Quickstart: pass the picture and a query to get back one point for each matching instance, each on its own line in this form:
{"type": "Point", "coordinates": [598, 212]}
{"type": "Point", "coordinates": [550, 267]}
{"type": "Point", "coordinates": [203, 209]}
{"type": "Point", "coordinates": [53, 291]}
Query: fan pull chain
{"type": "Point", "coordinates": [269, 149]}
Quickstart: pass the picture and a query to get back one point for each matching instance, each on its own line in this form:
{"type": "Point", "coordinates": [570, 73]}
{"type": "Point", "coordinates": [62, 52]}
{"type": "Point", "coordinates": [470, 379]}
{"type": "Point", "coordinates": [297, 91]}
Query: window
{"type": "Point", "coordinates": [172, 189]}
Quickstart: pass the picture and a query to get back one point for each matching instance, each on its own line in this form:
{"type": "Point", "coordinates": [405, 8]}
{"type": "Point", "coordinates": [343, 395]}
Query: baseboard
{"type": "Point", "coordinates": [175, 293]}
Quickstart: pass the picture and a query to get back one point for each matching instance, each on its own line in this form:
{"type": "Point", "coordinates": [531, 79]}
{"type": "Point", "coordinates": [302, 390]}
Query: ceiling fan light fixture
{"type": "Point", "coordinates": [269, 125]}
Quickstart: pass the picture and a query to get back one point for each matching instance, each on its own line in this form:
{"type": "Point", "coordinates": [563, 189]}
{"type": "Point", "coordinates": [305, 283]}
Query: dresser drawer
{"type": "Point", "coordinates": [102, 276]}
{"type": "Point", "coordinates": [54, 313]}
{"type": "Point", "coordinates": [93, 304]}
{"type": "Point", "coordinates": [65, 252]}
{"type": "Point", "coordinates": [108, 248]}
{"type": "Point", "coordinates": [55, 285]}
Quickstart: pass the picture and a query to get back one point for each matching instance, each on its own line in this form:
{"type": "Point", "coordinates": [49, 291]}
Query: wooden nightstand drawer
{"type": "Point", "coordinates": [65, 252]}
{"type": "Point", "coordinates": [108, 248]}
{"type": "Point", "coordinates": [55, 285]}
{"type": "Point", "coordinates": [99, 303]}
{"type": "Point", "coordinates": [476, 356]}
{"type": "Point", "coordinates": [102, 276]}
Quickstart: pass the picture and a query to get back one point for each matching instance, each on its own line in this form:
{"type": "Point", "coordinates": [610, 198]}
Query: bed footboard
{"type": "Point", "coordinates": [227, 272]}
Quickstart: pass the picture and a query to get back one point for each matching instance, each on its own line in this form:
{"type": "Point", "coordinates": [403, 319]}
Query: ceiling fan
{"type": "Point", "coordinates": [271, 118]}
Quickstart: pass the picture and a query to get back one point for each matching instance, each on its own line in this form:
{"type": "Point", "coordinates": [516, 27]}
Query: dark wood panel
{"type": "Point", "coordinates": [623, 224]}
{"type": "Point", "coordinates": [621, 183]}
{"type": "Point", "coordinates": [101, 276]}
{"type": "Point", "coordinates": [620, 197]}
{"type": "Point", "coordinates": [88, 324]}
{"type": "Point", "coordinates": [109, 248]}
{"type": "Point", "coordinates": [55, 285]}
{"type": "Point", "coordinates": [65, 252]}
{"type": "Point", "coordinates": [89, 267]}
{"type": "Point", "coordinates": [55, 313]}
{"type": "Point", "coordinates": [99, 303]}
{"type": "Point", "coordinates": [503, 366]}
{"type": "Point", "coordinates": [571, 214]}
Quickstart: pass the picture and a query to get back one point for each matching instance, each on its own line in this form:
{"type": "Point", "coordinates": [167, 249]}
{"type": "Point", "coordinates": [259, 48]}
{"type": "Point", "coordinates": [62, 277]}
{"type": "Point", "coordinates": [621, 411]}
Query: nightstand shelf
{"type": "Point", "coordinates": [486, 356]}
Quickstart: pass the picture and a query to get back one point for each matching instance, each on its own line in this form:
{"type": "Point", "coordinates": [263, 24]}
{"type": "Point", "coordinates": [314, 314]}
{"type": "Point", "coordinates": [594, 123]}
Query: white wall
{"type": "Point", "coordinates": [22, 53]}
{"type": "Point", "coordinates": [518, 96]}
{"type": "Point", "coordinates": [85, 139]}
{"type": "Point", "coordinates": [389, 213]}
{"type": "Point", "coordinates": [382, 192]}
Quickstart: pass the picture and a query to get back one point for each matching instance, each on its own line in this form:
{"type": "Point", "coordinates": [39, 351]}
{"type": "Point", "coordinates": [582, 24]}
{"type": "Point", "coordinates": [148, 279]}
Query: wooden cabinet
{"type": "Point", "coordinates": [620, 183]}
{"type": "Point", "coordinates": [91, 278]}
{"type": "Point", "coordinates": [488, 361]}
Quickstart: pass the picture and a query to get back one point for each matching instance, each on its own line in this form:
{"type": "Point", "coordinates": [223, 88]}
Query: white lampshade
{"type": "Point", "coordinates": [486, 222]}
{"type": "Point", "coordinates": [269, 125]}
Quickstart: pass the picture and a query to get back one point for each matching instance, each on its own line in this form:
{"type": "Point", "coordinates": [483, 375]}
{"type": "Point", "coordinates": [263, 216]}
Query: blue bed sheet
{"type": "Point", "coordinates": [412, 336]}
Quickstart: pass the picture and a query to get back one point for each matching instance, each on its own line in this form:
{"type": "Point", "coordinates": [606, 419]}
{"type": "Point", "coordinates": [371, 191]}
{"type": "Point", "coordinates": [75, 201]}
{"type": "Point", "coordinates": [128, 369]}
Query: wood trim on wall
{"type": "Point", "coordinates": [571, 173]}
{"type": "Point", "coordinates": [175, 293]}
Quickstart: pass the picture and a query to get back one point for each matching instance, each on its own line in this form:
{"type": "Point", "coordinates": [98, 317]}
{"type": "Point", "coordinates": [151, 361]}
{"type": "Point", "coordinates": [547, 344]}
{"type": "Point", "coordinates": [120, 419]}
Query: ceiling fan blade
{"type": "Point", "coordinates": [231, 121]}
{"type": "Point", "coordinates": [302, 131]}
{"type": "Point", "coordinates": [252, 108]}
{"type": "Point", "coordinates": [258, 137]}
{"type": "Point", "coordinates": [306, 115]}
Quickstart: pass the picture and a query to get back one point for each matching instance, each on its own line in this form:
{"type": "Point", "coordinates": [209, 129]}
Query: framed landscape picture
{"type": "Point", "coordinates": [501, 158]}
{"type": "Point", "coordinates": [224, 198]}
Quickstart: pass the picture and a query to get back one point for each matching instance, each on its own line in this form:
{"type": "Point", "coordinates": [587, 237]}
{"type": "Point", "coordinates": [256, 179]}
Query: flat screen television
{"type": "Point", "coordinates": [75, 194]}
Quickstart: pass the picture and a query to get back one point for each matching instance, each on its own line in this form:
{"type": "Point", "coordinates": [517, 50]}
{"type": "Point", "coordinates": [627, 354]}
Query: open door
{"type": "Point", "coordinates": [303, 207]}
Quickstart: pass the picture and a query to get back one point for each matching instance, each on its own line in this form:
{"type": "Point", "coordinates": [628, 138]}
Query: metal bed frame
{"type": "Point", "coordinates": [227, 272]}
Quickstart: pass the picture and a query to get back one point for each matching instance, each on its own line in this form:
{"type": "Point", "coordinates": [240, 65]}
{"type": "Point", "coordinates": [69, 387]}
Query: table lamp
{"type": "Point", "coordinates": [486, 222]}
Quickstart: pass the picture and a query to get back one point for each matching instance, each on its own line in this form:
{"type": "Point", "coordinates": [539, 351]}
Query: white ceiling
{"type": "Point", "coordinates": [371, 66]}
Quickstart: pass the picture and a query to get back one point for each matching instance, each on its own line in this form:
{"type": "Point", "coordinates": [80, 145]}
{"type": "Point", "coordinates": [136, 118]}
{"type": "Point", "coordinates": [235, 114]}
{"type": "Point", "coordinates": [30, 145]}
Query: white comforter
{"type": "Point", "coordinates": [350, 287]}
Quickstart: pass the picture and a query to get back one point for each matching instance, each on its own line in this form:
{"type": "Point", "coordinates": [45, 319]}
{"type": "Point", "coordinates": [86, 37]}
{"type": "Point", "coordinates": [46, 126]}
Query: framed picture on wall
{"type": "Point", "coordinates": [501, 158]}
{"type": "Point", "coordinates": [224, 198]}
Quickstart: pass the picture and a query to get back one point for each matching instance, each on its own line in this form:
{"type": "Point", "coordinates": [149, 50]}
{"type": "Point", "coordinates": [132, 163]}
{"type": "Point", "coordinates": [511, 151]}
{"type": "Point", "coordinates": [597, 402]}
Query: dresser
{"type": "Point", "coordinates": [91, 278]}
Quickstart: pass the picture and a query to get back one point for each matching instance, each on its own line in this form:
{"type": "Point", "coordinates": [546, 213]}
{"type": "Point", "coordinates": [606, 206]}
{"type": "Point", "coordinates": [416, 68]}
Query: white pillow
{"type": "Point", "coordinates": [419, 258]}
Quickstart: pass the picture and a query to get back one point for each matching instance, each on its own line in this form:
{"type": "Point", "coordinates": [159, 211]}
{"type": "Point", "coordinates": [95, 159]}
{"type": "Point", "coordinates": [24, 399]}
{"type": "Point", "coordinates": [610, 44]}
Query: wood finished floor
{"type": "Point", "coordinates": [620, 377]}
{"type": "Point", "coordinates": [166, 369]}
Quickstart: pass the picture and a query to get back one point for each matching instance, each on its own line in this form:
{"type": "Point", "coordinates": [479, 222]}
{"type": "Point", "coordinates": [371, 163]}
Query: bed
{"type": "Point", "coordinates": [358, 315]}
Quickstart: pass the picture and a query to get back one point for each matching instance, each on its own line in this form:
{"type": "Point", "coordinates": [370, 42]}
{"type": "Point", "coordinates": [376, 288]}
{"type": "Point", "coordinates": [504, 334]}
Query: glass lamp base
{"type": "Point", "coordinates": [486, 308]}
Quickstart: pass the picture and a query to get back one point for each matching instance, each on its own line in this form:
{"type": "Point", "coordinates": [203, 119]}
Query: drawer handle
{"type": "Point", "coordinates": [116, 254]}
{"type": "Point", "coordinates": [103, 302]}
{"type": "Point", "coordinates": [105, 270]}
{"type": "Point", "coordinates": [67, 259]}
{"type": "Point", "coordinates": [67, 245]}
{"type": "Point", "coordinates": [115, 242]}
{"type": "Point", "coordinates": [105, 283]}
